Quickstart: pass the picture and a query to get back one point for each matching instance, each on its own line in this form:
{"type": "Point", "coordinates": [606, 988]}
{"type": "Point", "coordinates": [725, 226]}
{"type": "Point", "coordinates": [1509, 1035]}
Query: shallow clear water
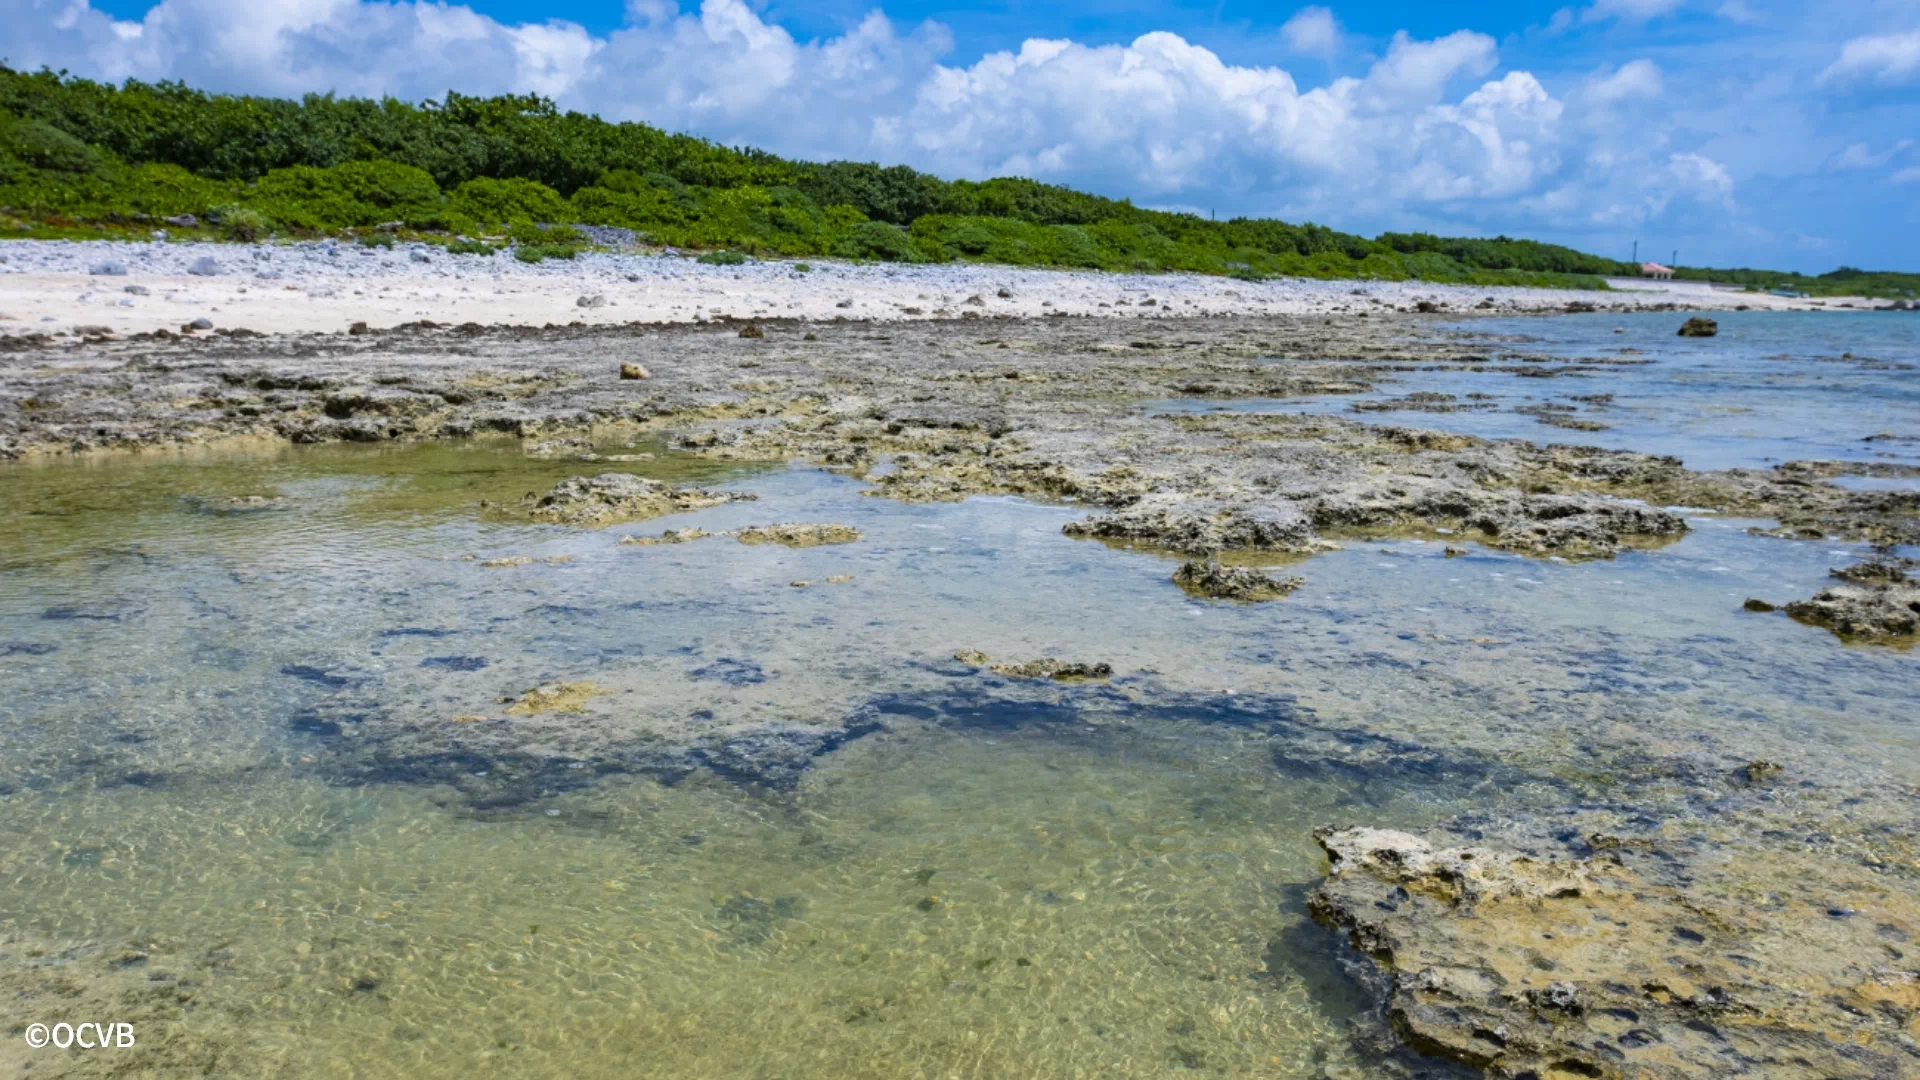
{"type": "Point", "coordinates": [1771, 387]}
{"type": "Point", "coordinates": [230, 758]}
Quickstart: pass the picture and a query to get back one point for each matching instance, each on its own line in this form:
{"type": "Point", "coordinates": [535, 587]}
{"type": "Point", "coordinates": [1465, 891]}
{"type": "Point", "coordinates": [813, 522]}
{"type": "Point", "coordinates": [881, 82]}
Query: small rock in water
{"type": "Point", "coordinates": [796, 535]}
{"type": "Point", "coordinates": [634, 371]}
{"type": "Point", "coordinates": [358, 328]}
{"type": "Point", "coordinates": [670, 536]}
{"type": "Point", "coordinates": [752, 330]}
{"type": "Point", "coordinates": [201, 323]}
{"type": "Point", "coordinates": [1758, 605]}
{"type": "Point", "coordinates": [1699, 327]}
{"type": "Point", "coordinates": [1209, 578]}
{"type": "Point", "coordinates": [597, 501]}
{"type": "Point", "coordinates": [594, 301]}
{"type": "Point", "coordinates": [1049, 667]}
{"type": "Point", "coordinates": [555, 698]}
{"type": "Point", "coordinates": [110, 268]}
{"type": "Point", "coordinates": [204, 266]}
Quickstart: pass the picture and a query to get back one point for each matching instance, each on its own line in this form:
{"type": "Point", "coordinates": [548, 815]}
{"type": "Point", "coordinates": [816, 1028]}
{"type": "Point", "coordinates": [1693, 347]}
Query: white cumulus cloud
{"type": "Point", "coordinates": [1887, 59]}
{"type": "Point", "coordinates": [1313, 31]}
{"type": "Point", "coordinates": [1432, 128]}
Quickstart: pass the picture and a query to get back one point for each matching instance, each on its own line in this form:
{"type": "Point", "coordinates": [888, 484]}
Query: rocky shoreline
{"type": "Point", "coordinates": [1692, 933]}
{"type": "Point", "coordinates": [76, 290]}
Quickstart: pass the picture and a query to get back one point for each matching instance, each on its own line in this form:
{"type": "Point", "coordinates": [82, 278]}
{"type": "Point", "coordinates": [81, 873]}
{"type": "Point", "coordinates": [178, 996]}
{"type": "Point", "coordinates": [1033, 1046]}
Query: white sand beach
{"type": "Point", "coordinates": [64, 287]}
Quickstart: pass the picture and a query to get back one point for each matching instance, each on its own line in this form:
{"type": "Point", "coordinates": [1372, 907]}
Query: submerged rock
{"type": "Point", "coordinates": [1210, 578]}
{"type": "Point", "coordinates": [668, 536]}
{"type": "Point", "coordinates": [1644, 959]}
{"type": "Point", "coordinates": [1049, 667]}
{"type": "Point", "coordinates": [223, 505]}
{"type": "Point", "coordinates": [1875, 602]}
{"type": "Point", "coordinates": [567, 697]}
{"type": "Point", "coordinates": [797, 535]}
{"type": "Point", "coordinates": [598, 501]}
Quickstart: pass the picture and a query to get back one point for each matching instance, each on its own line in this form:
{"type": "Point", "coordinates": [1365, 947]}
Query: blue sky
{"type": "Point", "coordinates": [1742, 132]}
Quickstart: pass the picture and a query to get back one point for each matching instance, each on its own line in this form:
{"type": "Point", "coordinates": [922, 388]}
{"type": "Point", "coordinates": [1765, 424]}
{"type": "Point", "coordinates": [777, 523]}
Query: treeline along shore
{"type": "Point", "coordinates": [85, 159]}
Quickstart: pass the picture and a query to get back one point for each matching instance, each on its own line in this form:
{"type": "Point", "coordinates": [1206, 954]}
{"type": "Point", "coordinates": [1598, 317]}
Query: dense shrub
{"type": "Point", "coordinates": [42, 146]}
{"type": "Point", "coordinates": [241, 223]}
{"type": "Point", "coordinates": [509, 200]}
{"type": "Point", "coordinates": [355, 193]}
{"type": "Point", "coordinates": [89, 151]}
{"type": "Point", "coordinates": [877, 240]}
{"type": "Point", "coordinates": [533, 253]}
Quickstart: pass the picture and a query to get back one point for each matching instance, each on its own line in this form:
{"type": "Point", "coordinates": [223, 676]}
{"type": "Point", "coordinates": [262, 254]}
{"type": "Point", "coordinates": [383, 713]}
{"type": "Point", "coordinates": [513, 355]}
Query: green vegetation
{"type": "Point", "coordinates": [1845, 281]}
{"type": "Point", "coordinates": [723, 257]}
{"type": "Point", "coordinates": [86, 158]}
{"type": "Point", "coordinates": [533, 253]}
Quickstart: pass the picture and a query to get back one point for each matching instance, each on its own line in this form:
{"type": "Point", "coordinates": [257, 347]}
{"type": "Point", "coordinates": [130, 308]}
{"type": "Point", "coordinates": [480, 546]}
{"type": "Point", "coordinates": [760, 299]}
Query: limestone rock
{"type": "Point", "coordinates": [668, 536]}
{"type": "Point", "coordinates": [567, 697]}
{"type": "Point", "coordinates": [797, 535]}
{"type": "Point", "coordinates": [1051, 667]}
{"type": "Point", "coordinates": [1699, 326]}
{"type": "Point", "coordinates": [1210, 578]}
{"type": "Point", "coordinates": [598, 501]}
{"type": "Point", "coordinates": [1647, 958]}
{"type": "Point", "coordinates": [1874, 602]}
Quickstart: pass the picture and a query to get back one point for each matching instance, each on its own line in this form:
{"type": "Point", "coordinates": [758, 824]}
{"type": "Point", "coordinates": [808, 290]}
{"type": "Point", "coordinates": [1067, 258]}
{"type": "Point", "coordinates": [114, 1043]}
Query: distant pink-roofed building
{"type": "Point", "coordinates": [1655, 270]}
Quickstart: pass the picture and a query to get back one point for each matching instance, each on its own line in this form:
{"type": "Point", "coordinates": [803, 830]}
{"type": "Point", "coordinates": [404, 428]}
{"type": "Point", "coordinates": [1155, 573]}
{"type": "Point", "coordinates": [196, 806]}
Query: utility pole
{"type": "Point", "coordinates": [1676, 258]}
{"type": "Point", "coordinates": [1636, 251]}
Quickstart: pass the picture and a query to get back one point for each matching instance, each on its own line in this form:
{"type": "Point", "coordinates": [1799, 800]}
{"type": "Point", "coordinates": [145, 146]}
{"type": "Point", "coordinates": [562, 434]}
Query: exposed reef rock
{"type": "Point", "coordinates": [1210, 578]}
{"type": "Point", "coordinates": [1699, 326]}
{"type": "Point", "coordinates": [598, 501]}
{"type": "Point", "coordinates": [1197, 526]}
{"type": "Point", "coordinates": [1572, 526]}
{"type": "Point", "coordinates": [1876, 602]}
{"type": "Point", "coordinates": [1047, 667]}
{"type": "Point", "coordinates": [1647, 955]}
{"type": "Point", "coordinates": [797, 535]}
